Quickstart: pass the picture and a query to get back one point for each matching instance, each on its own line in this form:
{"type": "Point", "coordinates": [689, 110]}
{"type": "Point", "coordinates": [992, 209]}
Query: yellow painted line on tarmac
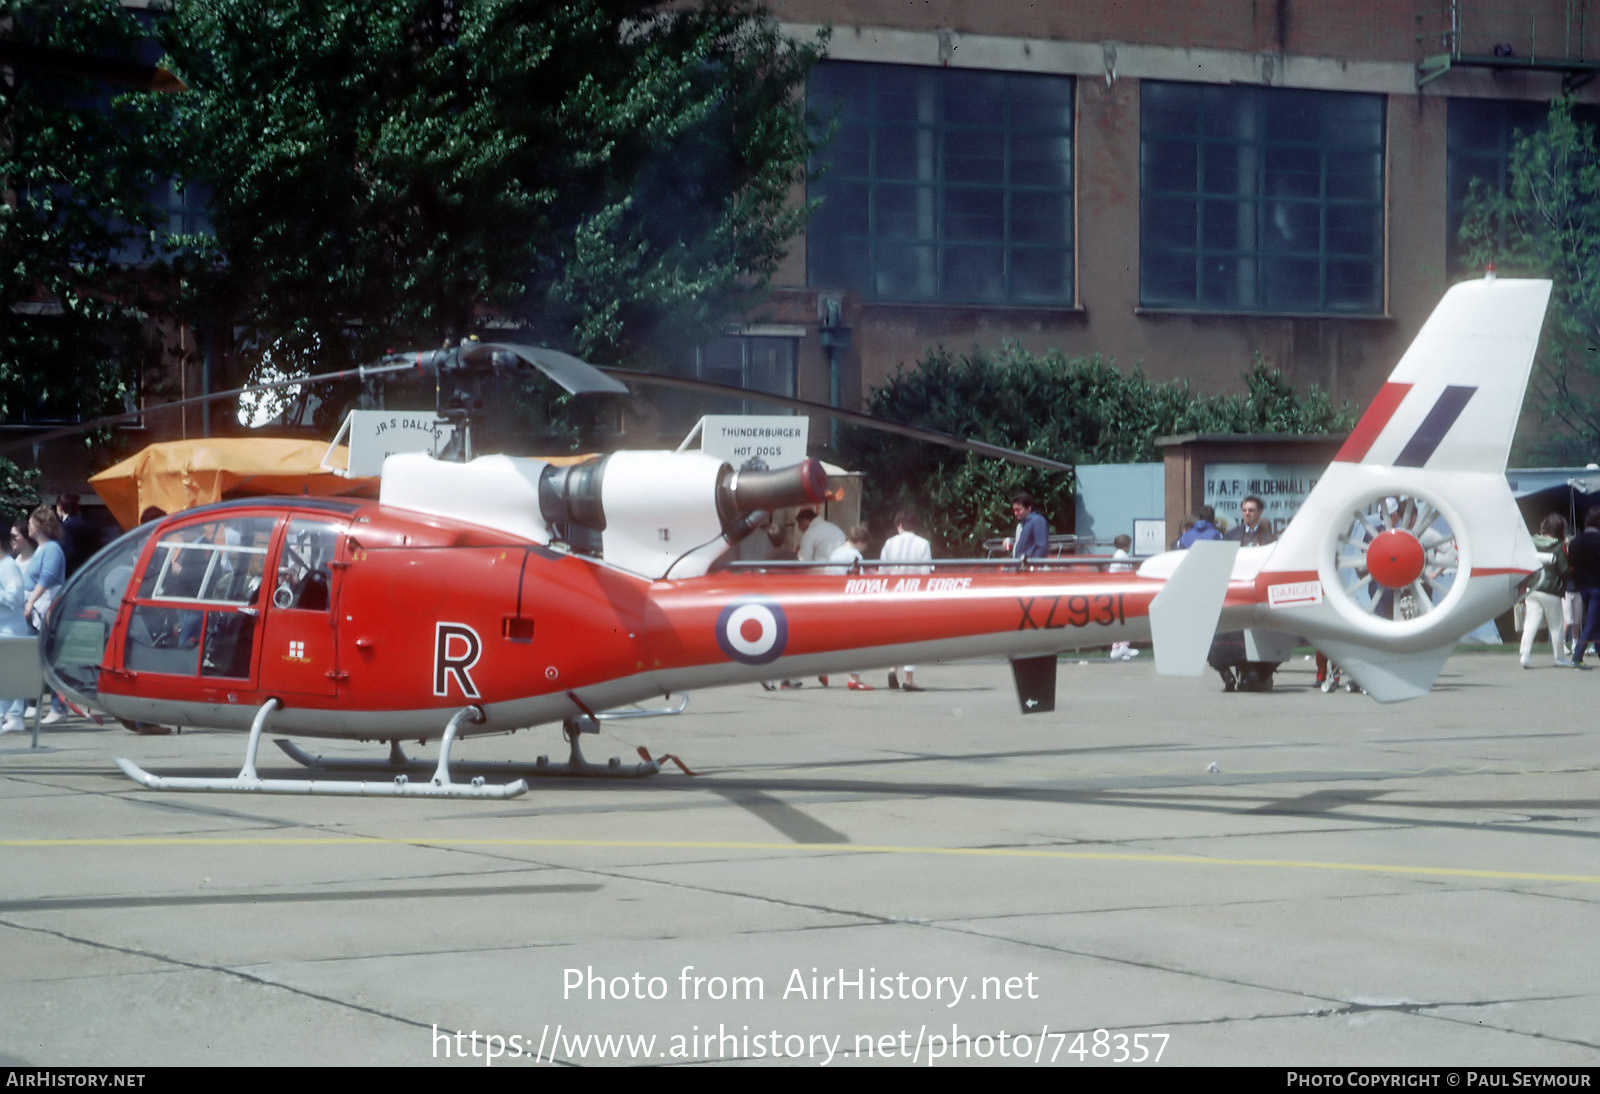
{"type": "Point", "coordinates": [1040, 853]}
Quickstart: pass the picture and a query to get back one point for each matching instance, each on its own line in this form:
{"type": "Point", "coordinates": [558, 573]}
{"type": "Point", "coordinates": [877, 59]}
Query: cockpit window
{"type": "Point", "coordinates": [221, 562]}
{"type": "Point", "coordinates": [305, 566]}
{"type": "Point", "coordinates": [74, 638]}
{"type": "Point", "coordinates": [198, 599]}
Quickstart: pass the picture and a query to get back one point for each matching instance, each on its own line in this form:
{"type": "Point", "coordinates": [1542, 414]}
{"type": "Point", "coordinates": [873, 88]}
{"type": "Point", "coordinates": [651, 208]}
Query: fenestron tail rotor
{"type": "Point", "coordinates": [1393, 560]}
{"type": "Point", "coordinates": [1396, 556]}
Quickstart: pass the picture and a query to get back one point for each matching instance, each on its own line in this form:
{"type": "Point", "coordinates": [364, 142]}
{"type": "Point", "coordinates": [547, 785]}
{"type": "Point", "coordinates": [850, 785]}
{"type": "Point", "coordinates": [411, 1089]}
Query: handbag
{"type": "Point", "coordinates": [40, 609]}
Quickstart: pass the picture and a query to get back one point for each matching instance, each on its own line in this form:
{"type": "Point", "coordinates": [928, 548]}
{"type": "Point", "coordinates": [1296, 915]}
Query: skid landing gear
{"type": "Point", "coordinates": [400, 786]}
{"type": "Point", "coordinates": [575, 764]}
{"type": "Point", "coordinates": [399, 763]}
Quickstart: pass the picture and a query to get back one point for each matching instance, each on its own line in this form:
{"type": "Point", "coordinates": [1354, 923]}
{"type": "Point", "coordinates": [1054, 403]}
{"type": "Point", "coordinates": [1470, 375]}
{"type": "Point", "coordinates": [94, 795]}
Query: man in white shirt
{"type": "Point", "coordinates": [853, 550]}
{"type": "Point", "coordinates": [907, 546]}
{"type": "Point", "coordinates": [819, 537]}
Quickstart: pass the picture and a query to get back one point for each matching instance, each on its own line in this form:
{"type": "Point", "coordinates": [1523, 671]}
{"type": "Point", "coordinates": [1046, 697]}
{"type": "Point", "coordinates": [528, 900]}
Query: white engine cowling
{"type": "Point", "coordinates": [669, 514]}
{"type": "Point", "coordinates": [656, 514]}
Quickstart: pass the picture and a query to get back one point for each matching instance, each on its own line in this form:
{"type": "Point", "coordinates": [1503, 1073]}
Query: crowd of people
{"type": "Point", "coordinates": [1228, 654]}
{"type": "Point", "coordinates": [1563, 597]}
{"type": "Point", "coordinates": [38, 552]}
{"type": "Point", "coordinates": [823, 541]}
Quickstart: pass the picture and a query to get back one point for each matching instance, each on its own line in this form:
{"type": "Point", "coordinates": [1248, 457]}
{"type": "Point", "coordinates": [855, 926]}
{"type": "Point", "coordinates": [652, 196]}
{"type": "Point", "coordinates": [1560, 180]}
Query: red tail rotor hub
{"type": "Point", "coordinates": [1395, 558]}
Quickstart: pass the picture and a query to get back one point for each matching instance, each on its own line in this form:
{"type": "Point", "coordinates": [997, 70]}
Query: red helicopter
{"type": "Point", "coordinates": [502, 593]}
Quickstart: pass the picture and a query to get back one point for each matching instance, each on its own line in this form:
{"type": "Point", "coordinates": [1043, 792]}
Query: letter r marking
{"type": "Point", "coordinates": [456, 648]}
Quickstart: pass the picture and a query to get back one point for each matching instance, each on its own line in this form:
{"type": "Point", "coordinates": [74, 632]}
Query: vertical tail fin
{"type": "Point", "coordinates": [1411, 539]}
{"type": "Point", "coordinates": [1453, 401]}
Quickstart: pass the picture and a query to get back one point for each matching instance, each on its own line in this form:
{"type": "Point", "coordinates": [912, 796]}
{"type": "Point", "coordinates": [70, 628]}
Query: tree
{"type": "Point", "coordinates": [1546, 223]}
{"type": "Point", "coordinates": [611, 176]}
{"type": "Point", "coordinates": [78, 167]}
{"type": "Point", "coordinates": [1077, 410]}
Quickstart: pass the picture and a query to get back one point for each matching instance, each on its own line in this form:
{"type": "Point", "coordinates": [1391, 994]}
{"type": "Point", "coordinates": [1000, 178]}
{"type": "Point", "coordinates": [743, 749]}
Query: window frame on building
{"type": "Point", "coordinates": [948, 186]}
{"type": "Point", "coordinates": [1257, 200]}
{"type": "Point", "coordinates": [733, 359]}
{"type": "Point", "coordinates": [1479, 137]}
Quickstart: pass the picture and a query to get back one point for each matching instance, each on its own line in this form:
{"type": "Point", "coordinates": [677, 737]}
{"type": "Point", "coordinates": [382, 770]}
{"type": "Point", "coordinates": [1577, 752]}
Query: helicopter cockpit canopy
{"type": "Point", "coordinates": [79, 624]}
{"type": "Point", "coordinates": [193, 611]}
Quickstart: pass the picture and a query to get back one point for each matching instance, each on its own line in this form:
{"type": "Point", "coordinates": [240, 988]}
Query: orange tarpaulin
{"type": "Point", "coordinates": [177, 475]}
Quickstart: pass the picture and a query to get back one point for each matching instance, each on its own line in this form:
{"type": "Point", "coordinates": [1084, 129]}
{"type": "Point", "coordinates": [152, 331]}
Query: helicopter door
{"type": "Point", "coordinates": [198, 603]}
{"type": "Point", "coordinates": [299, 654]}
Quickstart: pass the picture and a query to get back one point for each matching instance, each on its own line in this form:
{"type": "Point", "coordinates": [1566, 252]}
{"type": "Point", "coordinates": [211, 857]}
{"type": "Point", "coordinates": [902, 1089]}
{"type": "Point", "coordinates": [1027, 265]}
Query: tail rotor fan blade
{"type": "Point", "coordinates": [1395, 559]}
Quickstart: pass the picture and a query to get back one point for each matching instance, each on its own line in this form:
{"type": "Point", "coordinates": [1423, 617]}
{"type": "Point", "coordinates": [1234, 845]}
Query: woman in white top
{"type": "Point", "coordinates": [13, 593]}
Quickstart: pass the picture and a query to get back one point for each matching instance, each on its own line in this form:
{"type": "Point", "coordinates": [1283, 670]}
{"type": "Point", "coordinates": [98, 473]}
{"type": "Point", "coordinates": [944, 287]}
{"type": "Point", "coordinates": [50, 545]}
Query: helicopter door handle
{"type": "Point", "coordinates": [364, 643]}
{"type": "Point", "coordinates": [247, 611]}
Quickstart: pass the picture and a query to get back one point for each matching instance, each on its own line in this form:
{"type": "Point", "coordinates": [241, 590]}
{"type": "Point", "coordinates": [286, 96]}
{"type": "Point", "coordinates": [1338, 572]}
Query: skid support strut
{"type": "Point", "coordinates": [401, 786]}
{"type": "Point", "coordinates": [398, 762]}
{"type": "Point", "coordinates": [572, 729]}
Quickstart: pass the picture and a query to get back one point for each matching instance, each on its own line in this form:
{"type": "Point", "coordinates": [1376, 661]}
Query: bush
{"type": "Point", "coordinates": [1076, 410]}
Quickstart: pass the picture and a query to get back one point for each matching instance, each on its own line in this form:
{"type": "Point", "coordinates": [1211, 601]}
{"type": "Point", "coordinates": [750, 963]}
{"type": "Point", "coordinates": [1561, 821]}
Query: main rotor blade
{"type": "Point", "coordinates": [854, 417]}
{"type": "Point", "coordinates": [578, 377]}
{"type": "Point", "coordinates": [66, 62]}
{"type": "Point", "coordinates": [197, 400]}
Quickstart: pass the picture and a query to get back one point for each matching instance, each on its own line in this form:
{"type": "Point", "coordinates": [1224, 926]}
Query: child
{"type": "Point", "coordinates": [1122, 651]}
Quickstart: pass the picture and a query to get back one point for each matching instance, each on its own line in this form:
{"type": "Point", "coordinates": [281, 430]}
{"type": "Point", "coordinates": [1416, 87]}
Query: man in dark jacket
{"type": "Point", "coordinates": [1033, 533]}
{"type": "Point", "coordinates": [79, 539]}
{"type": "Point", "coordinates": [1252, 530]}
{"type": "Point", "coordinates": [1583, 553]}
{"type": "Point", "coordinates": [1228, 649]}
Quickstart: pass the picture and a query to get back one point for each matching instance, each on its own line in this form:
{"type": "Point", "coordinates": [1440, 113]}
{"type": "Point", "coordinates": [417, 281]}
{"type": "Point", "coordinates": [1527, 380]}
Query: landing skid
{"type": "Point", "coordinates": [398, 761]}
{"type": "Point", "coordinates": [400, 786]}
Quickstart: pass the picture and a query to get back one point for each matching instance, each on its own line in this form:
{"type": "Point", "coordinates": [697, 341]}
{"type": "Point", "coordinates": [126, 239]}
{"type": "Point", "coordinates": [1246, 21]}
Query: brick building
{"type": "Point", "coordinates": [1179, 185]}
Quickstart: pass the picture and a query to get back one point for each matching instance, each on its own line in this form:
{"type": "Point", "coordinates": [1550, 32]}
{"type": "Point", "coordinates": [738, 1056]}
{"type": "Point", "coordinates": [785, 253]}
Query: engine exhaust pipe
{"type": "Point", "coordinates": [804, 483]}
{"type": "Point", "coordinates": [574, 495]}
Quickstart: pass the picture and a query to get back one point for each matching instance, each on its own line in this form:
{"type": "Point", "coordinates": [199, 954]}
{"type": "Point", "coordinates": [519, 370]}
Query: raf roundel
{"type": "Point", "coordinates": [752, 631]}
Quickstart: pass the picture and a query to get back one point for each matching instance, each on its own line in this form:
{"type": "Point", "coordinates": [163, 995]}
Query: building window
{"type": "Point", "coordinates": [942, 185]}
{"type": "Point", "coordinates": [179, 211]}
{"type": "Point", "coordinates": [1481, 135]}
{"type": "Point", "coordinates": [1260, 199]}
{"type": "Point", "coordinates": [752, 362]}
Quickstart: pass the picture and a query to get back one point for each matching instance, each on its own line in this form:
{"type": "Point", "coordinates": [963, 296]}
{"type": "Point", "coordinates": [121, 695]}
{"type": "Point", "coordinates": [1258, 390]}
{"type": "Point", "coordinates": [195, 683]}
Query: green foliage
{"type": "Point", "coordinates": [1546, 223]}
{"type": "Point", "coordinates": [19, 490]}
{"type": "Point", "coordinates": [611, 175]}
{"type": "Point", "coordinates": [81, 164]}
{"type": "Point", "coordinates": [1077, 410]}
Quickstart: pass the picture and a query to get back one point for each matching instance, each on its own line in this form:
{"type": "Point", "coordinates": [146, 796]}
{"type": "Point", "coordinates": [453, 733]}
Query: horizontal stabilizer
{"type": "Point", "coordinates": [1389, 677]}
{"type": "Point", "coordinates": [1183, 616]}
